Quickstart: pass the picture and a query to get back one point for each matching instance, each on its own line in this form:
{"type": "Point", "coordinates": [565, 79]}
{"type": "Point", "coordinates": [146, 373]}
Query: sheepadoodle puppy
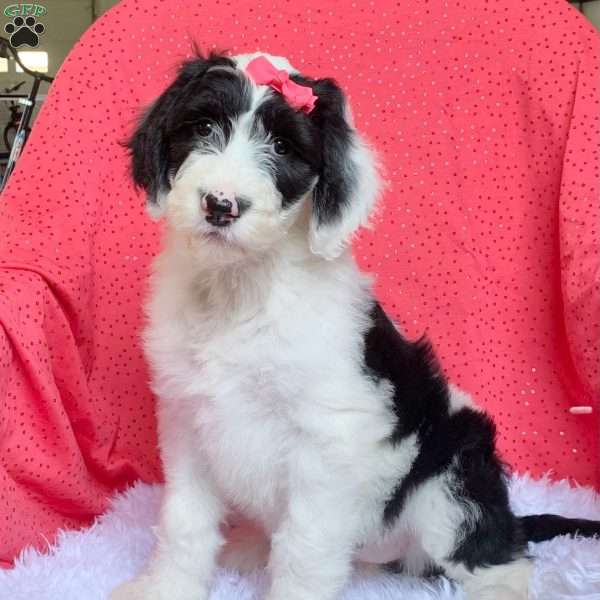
{"type": "Point", "coordinates": [285, 393]}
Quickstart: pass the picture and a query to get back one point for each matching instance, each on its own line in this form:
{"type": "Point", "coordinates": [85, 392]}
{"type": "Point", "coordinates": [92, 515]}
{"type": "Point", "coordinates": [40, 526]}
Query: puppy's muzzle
{"type": "Point", "coordinates": [222, 209]}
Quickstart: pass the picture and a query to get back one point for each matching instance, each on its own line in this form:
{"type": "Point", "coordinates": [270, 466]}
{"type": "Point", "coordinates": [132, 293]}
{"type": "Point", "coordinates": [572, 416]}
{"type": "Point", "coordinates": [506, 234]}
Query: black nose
{"type": "Point", "coordinates": [221, 208]}
{"type": "Point", "coordinates": [218, 205]}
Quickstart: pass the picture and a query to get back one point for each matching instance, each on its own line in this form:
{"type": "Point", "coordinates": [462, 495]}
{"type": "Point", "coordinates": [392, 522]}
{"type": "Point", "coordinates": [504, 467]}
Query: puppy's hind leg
{"type": "Point", "coordinates": [502, 582]}
{"type": "Point", "coordinates": [476, 541]}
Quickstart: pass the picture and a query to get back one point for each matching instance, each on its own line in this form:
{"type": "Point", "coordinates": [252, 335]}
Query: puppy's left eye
{"type": "Point", "coordinates": [205, 127]}
{"type": "Point", "coordinates": [281, 146]}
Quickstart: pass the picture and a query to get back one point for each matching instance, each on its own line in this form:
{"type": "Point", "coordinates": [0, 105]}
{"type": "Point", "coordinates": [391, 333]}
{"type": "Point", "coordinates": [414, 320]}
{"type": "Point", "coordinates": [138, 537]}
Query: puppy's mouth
{"type": "Point", "coordinates": [220, 219]}
{"type": "Point", "coordinates": [218, 234]}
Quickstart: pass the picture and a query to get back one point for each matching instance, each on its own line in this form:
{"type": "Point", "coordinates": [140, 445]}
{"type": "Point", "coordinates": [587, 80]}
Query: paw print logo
{"type": "Point", "coordinates": [24, 32]}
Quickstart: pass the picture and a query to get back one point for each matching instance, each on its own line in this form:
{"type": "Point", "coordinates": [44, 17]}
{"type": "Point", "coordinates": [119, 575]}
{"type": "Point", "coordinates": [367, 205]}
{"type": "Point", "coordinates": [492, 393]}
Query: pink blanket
{"type": "Point", "coordinates": [486, 117]}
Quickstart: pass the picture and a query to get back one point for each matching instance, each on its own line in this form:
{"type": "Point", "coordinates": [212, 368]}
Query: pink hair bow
{"type": "Point", "coordinates": [263, 72]}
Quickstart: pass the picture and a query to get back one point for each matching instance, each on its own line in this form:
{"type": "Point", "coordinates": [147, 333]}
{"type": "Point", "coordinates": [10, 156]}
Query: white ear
{"type": "Point", "coordinates": [348, 183]}
{"type": "Point", "coordinates": [328, 237]}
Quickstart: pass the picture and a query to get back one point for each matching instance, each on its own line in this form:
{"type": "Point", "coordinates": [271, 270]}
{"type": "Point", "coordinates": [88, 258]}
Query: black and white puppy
{"type": "Point", "coordinates": [285, 393]}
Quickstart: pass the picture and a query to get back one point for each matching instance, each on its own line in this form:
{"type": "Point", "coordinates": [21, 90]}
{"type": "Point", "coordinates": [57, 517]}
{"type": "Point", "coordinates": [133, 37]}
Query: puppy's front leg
{"type": "Point", "coordinates": [188, 533]}
{"type": "Point", "coordinates": [311, 551]}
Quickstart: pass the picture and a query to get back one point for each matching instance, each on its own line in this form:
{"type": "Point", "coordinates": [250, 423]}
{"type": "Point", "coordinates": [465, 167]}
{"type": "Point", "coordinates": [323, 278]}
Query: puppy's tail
{"type": "Point", "coordinates": [539, 528]}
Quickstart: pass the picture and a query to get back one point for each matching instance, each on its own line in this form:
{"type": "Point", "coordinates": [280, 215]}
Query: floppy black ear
{"type": "Point", "coordinates": [348, 183]}
{"type": "Point", "coordinates": [149, 144]}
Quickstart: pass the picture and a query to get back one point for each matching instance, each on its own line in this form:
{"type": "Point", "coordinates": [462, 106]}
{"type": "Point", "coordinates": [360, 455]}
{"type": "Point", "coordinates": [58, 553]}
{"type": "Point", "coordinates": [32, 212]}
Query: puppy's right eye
{"type": "Point", "coordinates": [281, 146]}
{"type": "Point", "coordinates": [205, 127]}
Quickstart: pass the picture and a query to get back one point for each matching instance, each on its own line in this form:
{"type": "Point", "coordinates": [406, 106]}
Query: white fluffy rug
{"type": "Point", "coordinates": [85, 565]}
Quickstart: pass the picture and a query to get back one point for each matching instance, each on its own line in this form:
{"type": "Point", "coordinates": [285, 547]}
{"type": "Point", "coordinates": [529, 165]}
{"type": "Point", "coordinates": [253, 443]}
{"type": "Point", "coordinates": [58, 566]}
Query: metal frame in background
{"type": "Point", "coordinates": [580, 3]}
{"type": "Point", "coordinates": [6, 51]}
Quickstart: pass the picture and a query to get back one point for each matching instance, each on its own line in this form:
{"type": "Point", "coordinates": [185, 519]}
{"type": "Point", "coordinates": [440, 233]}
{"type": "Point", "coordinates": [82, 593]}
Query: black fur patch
{"type": "Point", "coordinates": [497, 536]}
{"type": "Point", "coordinates": [296, 171]}
{"type": "Point", "coordinates": [421, 392]}
{"type": "Point", "coordinates": [338, 175]}
{"type": "Point", "coordinates": [461, 444]}
{"type": "Point", "coordinates": [322, 141]}
{"type": "Point", "coordinates": [167, 134]}
{"type": "Point", "coordinates": [219, 95]}
{"type": "Point", "coordinates": [539, 528]}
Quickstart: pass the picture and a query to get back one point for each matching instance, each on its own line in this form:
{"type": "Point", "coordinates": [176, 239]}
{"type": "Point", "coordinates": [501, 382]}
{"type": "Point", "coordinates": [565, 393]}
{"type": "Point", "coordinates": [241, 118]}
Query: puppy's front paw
{"type": "Point", "coordinates": [246, 549]}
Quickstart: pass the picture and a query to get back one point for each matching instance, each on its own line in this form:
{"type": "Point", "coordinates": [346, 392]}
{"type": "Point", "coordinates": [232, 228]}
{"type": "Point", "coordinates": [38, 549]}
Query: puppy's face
{"type": "Point", "coordinates": [232, 163]}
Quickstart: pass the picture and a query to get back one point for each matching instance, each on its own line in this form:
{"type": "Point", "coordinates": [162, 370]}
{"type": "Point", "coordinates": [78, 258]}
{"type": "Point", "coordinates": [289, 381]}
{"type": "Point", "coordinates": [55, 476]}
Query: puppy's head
{"type": "Point", "coordinates": [232, 162]}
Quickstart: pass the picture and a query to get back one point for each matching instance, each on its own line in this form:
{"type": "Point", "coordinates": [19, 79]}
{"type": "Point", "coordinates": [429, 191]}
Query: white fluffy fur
{"type": "Point", "coordinates": [87, 564]}
{"type": "Point", "coordinates": [266, 429]}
